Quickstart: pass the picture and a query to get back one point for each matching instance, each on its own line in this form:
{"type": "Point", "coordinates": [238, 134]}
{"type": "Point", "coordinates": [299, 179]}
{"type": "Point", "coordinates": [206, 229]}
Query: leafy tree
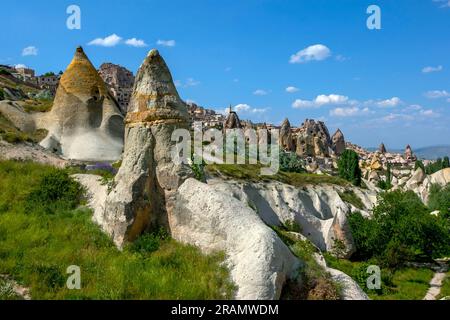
{"type": "Point", "coordinates": [440, 199]}
{"type": "Point", "coordinates": [348, 166]}
{"type": "Point", "coordinates": [400, 230]}
{"type": "Point", "coordinates": [290, 162]}
{"type": "Point", "coordinates": [419, 164]}
{"type": "Point", "coordinates": [445, 163]}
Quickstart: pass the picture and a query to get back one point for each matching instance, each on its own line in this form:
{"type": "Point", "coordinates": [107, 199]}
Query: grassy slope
{"type": "Point", "coordinates": [37, 249]}
{"type": "Point", "coordinates": [253, 173]}
{"type": "Point", "coordinates": [445, 290]}
{"type": "Point", "coordinates": [407, 283]}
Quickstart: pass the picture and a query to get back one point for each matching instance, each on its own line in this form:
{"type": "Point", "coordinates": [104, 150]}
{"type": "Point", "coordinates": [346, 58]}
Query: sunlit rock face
{"type": "Point", "coordinates": [85, 122]}
{"type": "Point", "coordinates": [148, 179]}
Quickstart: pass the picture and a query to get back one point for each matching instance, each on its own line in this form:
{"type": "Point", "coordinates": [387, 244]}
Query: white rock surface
{"type": "Point", "coordinates": [259, 261]}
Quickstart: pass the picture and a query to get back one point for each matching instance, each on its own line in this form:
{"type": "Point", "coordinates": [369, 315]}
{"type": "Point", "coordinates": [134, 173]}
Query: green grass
{"type": "Point", "coordinates": [41, 105]}
{"type": "Point", "coordinates": [37, 248]}
{"type": "Point", "coordinates": [445, 290]}
{"type": "Point", "coordinates": [349, 196]}
{"type": "Point", "coordinates": [402, 284]}
{"type": "Point", "coordinates": [11, 134]}
{"type": "Point", "coordinates": [253, 173]}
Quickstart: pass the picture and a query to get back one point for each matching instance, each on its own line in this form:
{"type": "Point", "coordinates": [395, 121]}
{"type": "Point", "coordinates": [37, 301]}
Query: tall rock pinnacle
{"type": "Point", "coordinates": [147, 181]}
{"type": "Point", "coordinates": [85, 122]}
{"type": "Point", "coordinates": [286, 139]}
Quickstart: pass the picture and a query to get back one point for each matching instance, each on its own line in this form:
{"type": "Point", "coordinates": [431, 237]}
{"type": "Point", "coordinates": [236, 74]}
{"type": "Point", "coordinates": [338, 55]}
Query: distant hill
{"type": "Point", "coordinates": [432, 153]}
{"type": "Point", "coordinates": [428, 153]}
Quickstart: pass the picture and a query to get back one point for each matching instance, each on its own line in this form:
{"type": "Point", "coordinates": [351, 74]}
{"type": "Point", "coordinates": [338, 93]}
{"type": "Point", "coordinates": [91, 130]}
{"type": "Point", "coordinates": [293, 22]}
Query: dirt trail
{"type": "Point", "coordinates": [436, 282]}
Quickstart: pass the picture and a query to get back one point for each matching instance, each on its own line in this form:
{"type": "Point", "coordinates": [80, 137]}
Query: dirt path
{"type": "Point", "coordinates": [436, 282]}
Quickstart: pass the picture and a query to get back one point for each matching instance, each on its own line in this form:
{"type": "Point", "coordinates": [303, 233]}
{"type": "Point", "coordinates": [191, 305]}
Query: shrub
{"type": "Point", "coordinates": [401, 230]}
{"type": "Point", "coordinates": [438, 165]}
{"type": "Point", "coordinates": [348, 166]}
{"type": "Point", "coordinates": [290, 162]}
{"type": "Point", "coordinates": [149, 242]}
{"type": "Point", "coordinates": [419, 164]}
{"type": "Point", "coordinates": [440, 199]}
{"type": "Point", "coordinates": [56, 191]}
{"type": "Point", "coordinates": [293, 226]}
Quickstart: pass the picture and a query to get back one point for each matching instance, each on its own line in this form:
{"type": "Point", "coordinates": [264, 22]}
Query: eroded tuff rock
{"type": "Point", "coordinates": [286, 139]}
{"type": "Point", "coordinates": [146, 184]}
{"type": "Point", "coordinates": [313, 139]}
{"type": "Point", "coordinates": [338, 142]}
{"type": "Point", "coordinates": [258, 260]}
{"type": "Point", "coordinates": [319, 210]}
{"type": "Point", "coordinates": [232, 121]}
{"type": "Point", "coordinates": [85, 122]}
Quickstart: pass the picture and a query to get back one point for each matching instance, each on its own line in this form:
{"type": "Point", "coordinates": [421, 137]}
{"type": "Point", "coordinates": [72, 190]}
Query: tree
{"type": "Point", "coordinates": [388, 177]}
{"type": "Point", "coordinates": [348, 166]}
{"type": "Point", "coordinates": [290, 162]}
{"type": "Point", "coordinates": [419, 164]}
{"type": "Point", "coordinates": [445, 163]}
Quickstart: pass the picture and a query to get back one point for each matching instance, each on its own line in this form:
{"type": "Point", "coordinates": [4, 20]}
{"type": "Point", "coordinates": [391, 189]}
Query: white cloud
{"type": "Point", "coordinates": [245, 108]}
{"type": "Point", "coordinates": [436, 94]}
{"type": "Point", "coordinates": [292, 89]}
{"type": "Point", "coordinates": [30, 51]}
{"type": "Point", "coordinates": [341, 58]}
{"type": "Point", "coordinates": [429, 113]}
{"type": "Point", "coordinates": [349, 112]}
{"type": "Point", "coordinates": [137, 43]}
{"type": "Point", "coordinates": [166, 43]}
{"type": "Point", "coordinates": [260, 92]}
{"type": "Point", "coordinates": [190, 82]}
{"type": "Point", "coordinates": [432, 69]}
{"type": "Point", "coordinates": [110, 41]}
{"type": "Point", "coordinates": [321, 100]}
{"type": "Point", "coordinates": [316, 52]}
{"type": "Point", "coordinates": [397, 116]}
{"type": "Point", "coordinates": [389, 103]}
{"type": "Point", "coordinates": [444, 3]}
{"type": "Point", "coordinates": [18, 66]}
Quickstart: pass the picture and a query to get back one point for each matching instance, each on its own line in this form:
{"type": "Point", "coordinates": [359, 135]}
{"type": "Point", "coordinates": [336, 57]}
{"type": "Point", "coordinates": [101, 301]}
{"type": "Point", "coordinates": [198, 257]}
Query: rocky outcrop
{"type": "Point", "coordinates": [409, 155]}
{"type": "Point", "coordinates": [286, 140]}
{"type": "Point", "coordinates": [313, 139]}
{"type": "Point", "coordinates": [14, 113]}
{"type": "Point", "coordinates": [84, 122]}
{"type": "Point", "coordinates": [120, 82]}
{"type": "Point", "coordinates": [319, 210]}
{"type": "Point", "coordinates": [382, 149]}
{"type": "Point", "coordinates": [232, 121]}
{"type": "Point", "coordinates": [259, 261]}
{"type": "Point", "coordinates": [421, 183]}
{"type": "Point", "coordinates": [338, 143]}
{"type": "Point", "coordinates": [147, 181]}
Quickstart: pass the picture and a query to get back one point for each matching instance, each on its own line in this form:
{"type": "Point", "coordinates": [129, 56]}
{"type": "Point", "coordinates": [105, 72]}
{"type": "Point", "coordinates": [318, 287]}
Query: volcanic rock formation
{"type": "Point", "coordinates": [313, 139]}
{"type": "Point", "coordinates": [409, 154]}
{"type": "Point", "coordinates": [148, 179]}
{"type": "Point", "coordinates": [286, 140]}
{"type": "Point", "coordinates": [338, 142]}
{"type": "Point", "coordinates": [85, 122]}
{"type": "Point", "coordinates": [232, 121]}
{"type": "Point", "coordinates": [382, 149]}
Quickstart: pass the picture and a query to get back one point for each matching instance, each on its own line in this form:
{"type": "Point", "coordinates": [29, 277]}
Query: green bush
{"type": "Point", "coordinates": [438, 165]}
{"type": "Point", "coordinates": [419, 164]}
{"type": "Point", "coordinates": [149, 242]}
{"type": "Point", "coordinates": [348, 166]}
{"type": "Point", "coordinates": [401, 229]}
{"type": "Point", "coordinates": [56, 191]}
{"type": "Point", "coordinates": [440, 199]}
{"type": "Point", "coordinates": [290, 162]}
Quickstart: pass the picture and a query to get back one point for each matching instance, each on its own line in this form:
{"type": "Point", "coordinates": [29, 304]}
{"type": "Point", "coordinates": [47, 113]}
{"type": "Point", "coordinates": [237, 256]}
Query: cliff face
{"type": "Point", "coordinates": [84, 122]}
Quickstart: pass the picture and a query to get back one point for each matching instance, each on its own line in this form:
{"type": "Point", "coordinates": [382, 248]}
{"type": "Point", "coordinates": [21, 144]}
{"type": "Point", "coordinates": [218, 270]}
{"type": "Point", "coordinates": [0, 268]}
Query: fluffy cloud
{"type": "Point", "coordinates": [432, 69]}
{"type": "Point", "coordinates": [166, 43]}
{"type": "Point", "coordinates": [245, 108]}
{"type": "Point", "coordinates": [30, 51]}
{"type": "Point", "coordinates": [316, 52]}
{"type": "Point", "coordinates": [389, 103]}
{"type": "Point", "coordinates": [110, 41]}
{"type": "Point", "coordinates": [260, 92]}
{"type": "Point", "coordinates": [321, 100]}
{"type": "Point", "coordinates": [348, 112]}
{"type": "Point", "coordinates": [437, 94]}
{"type": "Point", "coordinates": [137, 43]}
{"type": "Point", "coordinates": [292, 89]}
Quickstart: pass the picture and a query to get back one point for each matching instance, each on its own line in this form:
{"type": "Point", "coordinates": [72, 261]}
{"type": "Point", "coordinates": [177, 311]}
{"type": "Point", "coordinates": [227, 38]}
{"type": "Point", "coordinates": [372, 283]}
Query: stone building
{"type": "Point", "coordinates": [120, 82]}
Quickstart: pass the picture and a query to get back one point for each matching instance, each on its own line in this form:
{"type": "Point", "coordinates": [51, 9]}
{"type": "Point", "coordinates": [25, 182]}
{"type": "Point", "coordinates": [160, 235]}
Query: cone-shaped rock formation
{"type": "Point", "coordinates": [286, 139]}
{"type": "Point", "coordinates": [338, 142]}
{"type": "Point", "coordinates": [85, 122]}
{"type": "Point", "coordinates": [148, 179]}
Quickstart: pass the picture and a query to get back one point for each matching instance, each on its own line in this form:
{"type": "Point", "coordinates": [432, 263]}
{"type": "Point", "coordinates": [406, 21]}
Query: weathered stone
{"type": "Point", "coordinates": [409, 154]}
{"type": "Point", "coordinates": [85, 122]}
{"type": "Point", "coordinates": [382, 148]}
{"type": "Point", "coordinates": [313, 139]}
{"type": "Point", "coordinates": [338, 142]}
{"type": "Point", "coordinates": [148, 179]}
{"type": "Point", "coordinates": [286, 140]}
{"type": "Point", "coordinates": [232, 121]}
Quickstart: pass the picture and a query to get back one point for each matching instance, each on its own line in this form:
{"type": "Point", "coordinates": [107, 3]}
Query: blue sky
{"type": "Point", "coordinates": [389, 85]}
